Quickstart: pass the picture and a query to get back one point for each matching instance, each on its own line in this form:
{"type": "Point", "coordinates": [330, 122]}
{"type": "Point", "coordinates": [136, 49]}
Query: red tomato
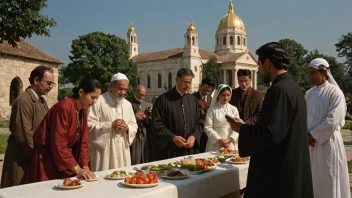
{"type": "Point", "coordinates": [199, 162]}
{"type": "Point", "coordinates": [140, 181]}
{"type": "Point", "coordinates": [150, 177]}
{"type": "Point", "coordinates": [133, 180]}
{"type": "Point", "coordinates": [154, 181]}
{"type": "Point", "coordinates": [206, 167]}
{"type": "Point", "coordinates": [145, 180]}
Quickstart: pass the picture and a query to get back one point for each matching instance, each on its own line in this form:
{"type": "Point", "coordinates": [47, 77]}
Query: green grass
{"type": "Point", "coordinates": [349, 163]}
{"type": "Point", "coordinates": [3, 143]}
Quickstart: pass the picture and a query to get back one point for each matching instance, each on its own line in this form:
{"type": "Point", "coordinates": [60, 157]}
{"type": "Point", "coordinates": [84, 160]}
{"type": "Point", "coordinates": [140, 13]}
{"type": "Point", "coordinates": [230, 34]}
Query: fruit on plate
{"type": "Point", "coordinates": [141, 178]}
{"type": "Point", "coordinates": [227, 151]}
{"type": "Point", "coordinates": [69, 182]}
{"type": "Point", "coordinates": [240, 159]}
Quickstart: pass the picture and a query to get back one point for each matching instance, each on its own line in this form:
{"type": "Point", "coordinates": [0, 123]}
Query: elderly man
{"type": "Point", "coordinates": [139, 147]}
{"type": "Point", "coordinates": [247, 100]}
{"type": "Point", "coordinates": [326, 116]}
{"type": "Point", "coordinates": [112, 127]}
{"type": "Point", "coordinates": [177, 122]}
{"type": "Point", "coordinates": [28, 110]}
{"type": "Point", "coordinates": [277, 143]}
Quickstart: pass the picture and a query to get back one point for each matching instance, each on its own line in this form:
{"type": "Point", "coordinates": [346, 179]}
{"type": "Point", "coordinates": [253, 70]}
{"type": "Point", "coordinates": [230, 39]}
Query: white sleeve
{"type": "Point", "coordinates": [336, 112]}
{"type": "Point", "coordinates": [208, 127]}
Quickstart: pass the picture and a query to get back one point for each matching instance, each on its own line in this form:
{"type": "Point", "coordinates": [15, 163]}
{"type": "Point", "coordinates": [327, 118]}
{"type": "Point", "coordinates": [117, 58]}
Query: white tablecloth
{"type": "Point", "coordinates": [226, 178]}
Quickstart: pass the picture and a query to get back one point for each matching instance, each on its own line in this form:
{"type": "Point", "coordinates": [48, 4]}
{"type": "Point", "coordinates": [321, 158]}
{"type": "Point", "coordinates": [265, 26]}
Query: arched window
{"type": "Point", "coordinates": [231, 40]}
{"type": "Point", "coordinates": [193, 40]}
{"type": "Point", "coordinates": [159, 80]}
{"type": "Point", "coordinates": [135, 39]}
{"type": "Point", "coordinates": [238, 40]}
{"type": "Point", "coordinates": [131, 39]}
{"type": "Point", "coordinates": [217, 41]}
{"type": "Point", "coordinates": [148, 81]}
{"type": "Point", "coordinates": [224, 40]}
{"type": "Point", "coordinates": [16, 88]}
{"type": "Point", "coordinates": [170, 80]}
{"type": "Point", "coordinates": [244, 41]}
{"type": "Point", "coordinates": [188, 40]}
{"type": "Point", "coordinates": [138, 81]}
{"type": "Point", "coordinates": [195, 68]}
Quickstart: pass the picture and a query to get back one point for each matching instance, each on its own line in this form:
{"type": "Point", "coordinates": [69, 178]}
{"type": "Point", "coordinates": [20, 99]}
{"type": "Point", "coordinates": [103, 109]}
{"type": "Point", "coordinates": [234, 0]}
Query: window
{"type": "Point", "coordinates": [134, 49]}
{"type": "Point", "coordinates": [15, 89]}
{"type": "Point", "coordinates": [238, 40]}
{"type": "Point", "coordinates": [159, 81]}
{"type": "Point", "coordinates": [195, 68]}
{"type": "Point", "coordinates": [217, 41]}
{"type": "Point", "coordinates": [138, 81]}
{"type": "Point", "coordinates": [231, 40]}
{"type": "Point", "coordinates": [131, 39]}
{"type": "Point", "coordinates": [135, 39]}
{"type": "Point", "coordinates": [244, 41]}
{"type": "Point", "coordinates": [224, 40]}
{"type": "Point", "coordinates": [193, 41]}
{"type": "Point", "coordinates": [188, 40]}
{"type": "Point", "coordinates": [148, 81]}
{"type": "Point", "coordinates": [170, 80]}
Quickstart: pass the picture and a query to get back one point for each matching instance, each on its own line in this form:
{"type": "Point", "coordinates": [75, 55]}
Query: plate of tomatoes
{"type": "Point", "coordinates": [141, 180]}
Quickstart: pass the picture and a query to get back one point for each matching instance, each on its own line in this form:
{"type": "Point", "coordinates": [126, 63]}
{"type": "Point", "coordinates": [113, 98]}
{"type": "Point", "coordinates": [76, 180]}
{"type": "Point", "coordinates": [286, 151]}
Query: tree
{"type": "Point", "coordinates": [298, 66]}
{"type": "Point", "coordinates": [63, 91]}
{"type": "Point", "coordinates": [22, 18]}
{"type": "Point", "coordinates": [100, 55]}
{"type": "Point", "coordinates": [211, 70]}
{"type": "Point", "coordinates": [344, 49]}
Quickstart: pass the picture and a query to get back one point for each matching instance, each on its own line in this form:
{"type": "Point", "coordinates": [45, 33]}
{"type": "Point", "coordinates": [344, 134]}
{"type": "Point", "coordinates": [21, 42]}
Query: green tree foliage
{"type": "Point", "coordinates": [298, 67]}
{"type": "Point", "coordinates": [211, 70]}
{"type": "Point", "coordinates": [64, 91]}
{"type": "Point", "coordinates": [22, 18]}
{"type": "Point", "coordinates": [100, 55]}
{"type": "Point", "coordinates": [344, 49]}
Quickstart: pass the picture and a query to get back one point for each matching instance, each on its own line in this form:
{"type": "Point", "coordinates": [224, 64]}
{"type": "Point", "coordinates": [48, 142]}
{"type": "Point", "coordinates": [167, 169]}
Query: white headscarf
{"type": "Point", "coordinates": [216, 92]}
{"type": "Point", "coordinates": [320, 63]}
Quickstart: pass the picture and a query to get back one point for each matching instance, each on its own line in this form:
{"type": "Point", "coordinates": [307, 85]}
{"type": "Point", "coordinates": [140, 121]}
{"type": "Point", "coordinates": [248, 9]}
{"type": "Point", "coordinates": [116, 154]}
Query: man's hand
{"type": "Point", "coordinates": [222, 143]}
{"type": "Point", "coordinates": [121, 125]}
{"type": "Point", "coordinates": [239, 120]}
{"type": "Point", "coordinates": [179, 141]}
{"type": "Point", "coordinates": [190, 141]}
{"type": "Point", "coordinates": [311, 140]}
{"type": "Point", "coordinates": [236, 124]}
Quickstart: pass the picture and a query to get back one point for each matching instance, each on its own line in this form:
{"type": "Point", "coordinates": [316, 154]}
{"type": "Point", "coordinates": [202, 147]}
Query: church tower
{"type": "Point", "coordinates": [132, 41]}
{"type": "Point", "coordinates": [231, 36]}
{"type": "Point", "coordinates": [191, 48]}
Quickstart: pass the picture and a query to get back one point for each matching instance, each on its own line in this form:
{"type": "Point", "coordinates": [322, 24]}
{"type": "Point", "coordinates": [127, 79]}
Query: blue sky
{"type": "Point", "coordinates": [161, 24]}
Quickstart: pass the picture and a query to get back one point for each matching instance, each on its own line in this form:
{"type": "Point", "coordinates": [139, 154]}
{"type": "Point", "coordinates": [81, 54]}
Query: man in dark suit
{"type": "Point", "coordinates": [247, 100]}
{"type": "Point", "coordinates": [204, 100]}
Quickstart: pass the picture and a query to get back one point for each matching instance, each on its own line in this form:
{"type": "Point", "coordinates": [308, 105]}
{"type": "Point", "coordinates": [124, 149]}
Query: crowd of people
{"type": "Point", "coordinates": [293, 138]}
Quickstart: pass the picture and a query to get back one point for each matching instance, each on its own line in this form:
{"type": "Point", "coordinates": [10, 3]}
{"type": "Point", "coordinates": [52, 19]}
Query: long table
{"type": "Point", "coordinates": [224, 180]}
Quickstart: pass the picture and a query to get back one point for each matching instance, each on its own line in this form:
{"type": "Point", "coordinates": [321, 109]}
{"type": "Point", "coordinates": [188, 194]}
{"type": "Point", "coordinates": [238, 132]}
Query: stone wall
{"type": "Point", "coordinates": [12, 67]}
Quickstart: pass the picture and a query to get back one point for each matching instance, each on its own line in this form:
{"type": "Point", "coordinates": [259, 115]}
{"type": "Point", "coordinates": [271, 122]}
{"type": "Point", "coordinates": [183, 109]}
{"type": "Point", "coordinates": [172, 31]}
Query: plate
{"type": "Point", "coordinates": [68, 187]}
{"type": "Point", "coordinates": [202, 171]}
{"type": "Point", "coordinates": [175, 178]}
{"type": "Point", "coordinates": [140, 185]}
{"type": "Point", "coordinates": [227, 155]}
{"type": "Point", "coordinates": [114, 178]}
{"type": "Point", "coordinates": [232, 162]}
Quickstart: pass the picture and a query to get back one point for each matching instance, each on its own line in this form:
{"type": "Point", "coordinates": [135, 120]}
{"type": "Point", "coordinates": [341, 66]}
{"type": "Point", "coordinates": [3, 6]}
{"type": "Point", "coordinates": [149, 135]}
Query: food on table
{"type": "Point", "coordinates": [226, 151]}
{"type": "Point", "coordinates": [160, 167]}
{"type": "Point", "coordinates": [240, 159]}
{"type": "Point", "coordinates": [141, 178]}
{"type": "Point", "coordinates": [69, 182]}
{"type": "Point", "coordinates": [175, 173]}
{"type": "Point", "coordinates": [117, 174]}
{"type": "Point", "coordinates": [199, 164]}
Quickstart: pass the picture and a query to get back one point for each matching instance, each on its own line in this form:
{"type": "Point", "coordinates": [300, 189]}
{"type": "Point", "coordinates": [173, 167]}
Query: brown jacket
{"type": "Point", "coordinates": [26, 114]}
{"type": "Point", "coordinates": [252, 107]}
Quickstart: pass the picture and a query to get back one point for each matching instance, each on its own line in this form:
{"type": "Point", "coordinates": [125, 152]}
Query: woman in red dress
{"type": "Point", "coordinates": [61, 140]}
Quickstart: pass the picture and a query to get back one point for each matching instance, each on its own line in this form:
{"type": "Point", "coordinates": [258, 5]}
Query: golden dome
{"type": "Point", "coordinates": [231, 20]}
{"type": "Point", "coordinates": [191, 28]}
{"type": "Point", "coordinates": [131, 28]}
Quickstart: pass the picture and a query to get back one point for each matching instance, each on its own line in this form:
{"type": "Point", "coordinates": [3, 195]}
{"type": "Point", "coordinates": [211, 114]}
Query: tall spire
{"type": "Point", "coordinates": [231, 7]}
{"type": "Point", "coordinates": [191, 20]}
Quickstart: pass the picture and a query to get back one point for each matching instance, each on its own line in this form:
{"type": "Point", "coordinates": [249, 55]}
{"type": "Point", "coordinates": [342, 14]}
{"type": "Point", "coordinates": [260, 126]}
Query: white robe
{"type": "Point", "coordinates": [217, 127]}
{"type": "Point", "coordinates": [110, 147]}
{"type": "Point", "coordinates": [326, 110]}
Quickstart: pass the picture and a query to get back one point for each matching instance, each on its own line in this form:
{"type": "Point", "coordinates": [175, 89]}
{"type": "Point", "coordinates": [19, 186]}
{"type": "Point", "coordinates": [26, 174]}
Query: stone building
{"type": "Point", "coordinates": [16, 65]}
{"type": "Point", "coordinates": [157, 70]}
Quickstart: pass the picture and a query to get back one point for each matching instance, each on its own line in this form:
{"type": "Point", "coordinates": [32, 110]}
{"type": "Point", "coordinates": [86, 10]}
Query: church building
{"type": "Point", "coordinates": [157, 70]}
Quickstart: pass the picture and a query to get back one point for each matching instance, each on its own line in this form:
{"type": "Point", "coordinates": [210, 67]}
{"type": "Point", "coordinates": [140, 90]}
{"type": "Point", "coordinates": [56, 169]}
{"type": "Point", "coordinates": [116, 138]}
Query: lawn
{"type": "Point", "coordinates": [3, 142]}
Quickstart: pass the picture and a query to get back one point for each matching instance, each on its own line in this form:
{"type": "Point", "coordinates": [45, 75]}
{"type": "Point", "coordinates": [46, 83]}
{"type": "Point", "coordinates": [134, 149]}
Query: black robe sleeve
{"type": "Point", "coordinates": [272, 127]}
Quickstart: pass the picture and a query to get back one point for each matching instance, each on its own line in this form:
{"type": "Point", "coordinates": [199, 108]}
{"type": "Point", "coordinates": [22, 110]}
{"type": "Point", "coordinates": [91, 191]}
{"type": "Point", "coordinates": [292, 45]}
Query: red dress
{"type": "Point", "coordinates": [59, 144]}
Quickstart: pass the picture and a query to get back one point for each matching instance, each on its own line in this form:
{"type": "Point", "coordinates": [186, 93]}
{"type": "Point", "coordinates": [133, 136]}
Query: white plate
{"type": "Point", "coordinates": [140, 185]}
{"type": "Point", "coordinates": [68, 187]}
{"type": "Point", "coordinates": [203, 171]}
{"type": "Point", "coordinates": [232, 162]}
{"type": "Point", "coordinates": [114, 178]}
{"type": "Point", "coordinates": [227, 155]}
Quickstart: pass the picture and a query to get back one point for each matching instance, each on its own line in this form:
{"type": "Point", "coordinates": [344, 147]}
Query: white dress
{"type": "Point", "coordinates": [217, 127]}
{"type": "Point", "coordinates": [110, 147]}
{"type": "Point", "coordinates": [326, 110]}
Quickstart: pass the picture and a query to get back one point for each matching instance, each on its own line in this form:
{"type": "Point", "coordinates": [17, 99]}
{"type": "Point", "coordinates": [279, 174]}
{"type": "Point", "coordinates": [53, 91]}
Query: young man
{"type": "Point", "coordinates": [247, 100]}
{"type": "Point", "coordinates": [277, 143]}
{"type": "Point", "coordinates": [326, 116]}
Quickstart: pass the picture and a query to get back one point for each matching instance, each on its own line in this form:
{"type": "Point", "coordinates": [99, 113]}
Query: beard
{"type": "Point", "coordinates": [119, 99]}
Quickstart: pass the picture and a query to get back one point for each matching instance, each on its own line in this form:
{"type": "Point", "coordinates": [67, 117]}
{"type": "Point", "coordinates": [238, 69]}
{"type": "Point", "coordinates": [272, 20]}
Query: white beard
{"type": "Point", "coordinates": [119, 100]}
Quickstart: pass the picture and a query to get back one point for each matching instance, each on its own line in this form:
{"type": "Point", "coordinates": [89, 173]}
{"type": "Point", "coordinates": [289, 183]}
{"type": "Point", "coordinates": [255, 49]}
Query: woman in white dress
{"type": "Point", "coordinates": [216, 126]}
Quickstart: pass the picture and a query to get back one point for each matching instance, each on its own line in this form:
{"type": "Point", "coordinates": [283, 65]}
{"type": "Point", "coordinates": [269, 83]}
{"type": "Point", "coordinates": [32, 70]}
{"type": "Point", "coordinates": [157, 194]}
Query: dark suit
{"type": "Point", "coordinates": [250, 110]}
{"type": "Point", "coordinates": [204, 109]}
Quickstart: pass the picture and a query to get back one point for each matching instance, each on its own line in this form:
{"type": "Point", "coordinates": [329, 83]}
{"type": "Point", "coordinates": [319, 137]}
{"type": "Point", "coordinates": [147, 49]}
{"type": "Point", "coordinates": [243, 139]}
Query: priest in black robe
{"type": "Point", "coordinates": [140, 150]}
{"type": "Point", "coordinates": [277, 143]}
{"type": "Point", "coordinates": [177, 121]}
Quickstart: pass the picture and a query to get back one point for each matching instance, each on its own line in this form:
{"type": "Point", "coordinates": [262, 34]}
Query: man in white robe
{"type": "Point", "coordinates": [326, 107]}
{"type": "Point", "coordinates": [112, 127]}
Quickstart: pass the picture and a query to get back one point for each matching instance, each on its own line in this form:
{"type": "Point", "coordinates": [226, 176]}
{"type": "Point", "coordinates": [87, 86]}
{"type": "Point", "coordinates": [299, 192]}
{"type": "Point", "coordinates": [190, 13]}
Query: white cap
{"type": "Point", "coordinates": [317, 62]}
{"type": "Point", "coordinates": [118, 76]}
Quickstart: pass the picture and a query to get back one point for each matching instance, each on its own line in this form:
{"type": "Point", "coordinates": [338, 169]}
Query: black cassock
{"type": "Point", "coordinates": [140, 151]}
{"type": "Point", "coordinates": [169, 121]}
{"type": "Point", "coordinates": [278, 144]}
